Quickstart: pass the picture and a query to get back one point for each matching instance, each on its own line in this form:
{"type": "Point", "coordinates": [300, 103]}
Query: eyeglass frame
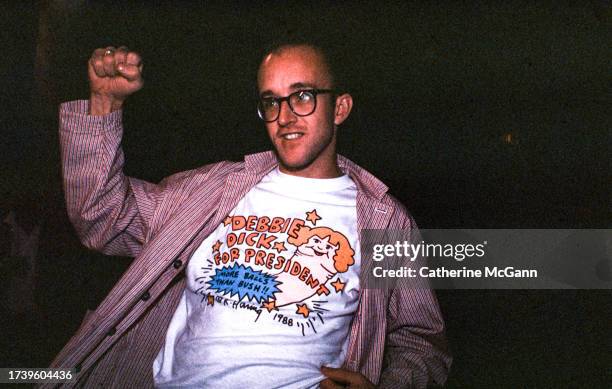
{"type": "Point", "coordinates": [279, 100]}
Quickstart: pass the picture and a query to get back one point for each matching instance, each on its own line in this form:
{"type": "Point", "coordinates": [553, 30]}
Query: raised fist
{"type": "Point", "coordinates": [114, 74]}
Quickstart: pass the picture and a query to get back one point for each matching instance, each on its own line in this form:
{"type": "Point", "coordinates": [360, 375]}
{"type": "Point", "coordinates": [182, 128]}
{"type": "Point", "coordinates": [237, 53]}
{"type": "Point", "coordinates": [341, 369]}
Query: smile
{"type": "Point", "coordinates": [292, 135]}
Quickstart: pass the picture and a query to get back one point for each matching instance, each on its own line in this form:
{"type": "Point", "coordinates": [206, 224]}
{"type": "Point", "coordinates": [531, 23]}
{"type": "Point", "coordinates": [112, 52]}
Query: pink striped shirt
{"type": "Point", "coordinates": [396, 338]}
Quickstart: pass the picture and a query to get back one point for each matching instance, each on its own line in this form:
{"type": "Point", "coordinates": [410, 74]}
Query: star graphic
{"type": "Point", "coordinates": [227, 221]}
{"type": "Point", "coordinates": [270, 306]}
{"type": "Point", "coordinates": [216, 246]}
{"type": "Point", "coordinates": [210, 299]}
{"type": "Point", "coordinates": [313, 217]}
{"type": "Point", "coordinates": [279, 246]}
{"type": "Point", "coordinates": [303, 310]}
{"type": "Point", "coordinates": [338, 285]}
{"type": "Point", "coordinates": [323, 290]}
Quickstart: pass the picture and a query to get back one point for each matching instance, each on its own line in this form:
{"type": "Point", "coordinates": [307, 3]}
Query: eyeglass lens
{"type": "Point", "coordinates": [302, 103]}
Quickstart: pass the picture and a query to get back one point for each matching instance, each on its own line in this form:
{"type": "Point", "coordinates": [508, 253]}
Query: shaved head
{"type": "Point", "coordinates": [330, 57]}
{"type": "Point", "coordinates": [316, 53]}
{"type": "Point", "coordinates": [313, 56]}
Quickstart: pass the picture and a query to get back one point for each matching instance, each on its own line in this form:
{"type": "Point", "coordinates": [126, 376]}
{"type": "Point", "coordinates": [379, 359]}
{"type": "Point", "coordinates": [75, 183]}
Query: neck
{"type": "Point", "coordinates": [325, 166]}
{"type": "Point", "coordinates": [330, 172]}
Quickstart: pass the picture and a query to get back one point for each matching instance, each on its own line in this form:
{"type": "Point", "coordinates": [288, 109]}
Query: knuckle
{"type": "Point", "coordinates": [134, 57]}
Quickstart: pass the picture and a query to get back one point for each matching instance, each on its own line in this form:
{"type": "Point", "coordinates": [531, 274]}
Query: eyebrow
{"type": "Point", "coordinates": [294, 86]}
{"type": "Point", "coordinates": [301, 85]}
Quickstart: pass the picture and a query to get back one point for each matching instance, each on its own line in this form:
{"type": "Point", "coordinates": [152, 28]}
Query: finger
{"type": "Point", "coordinates": [99, 52]}
{"type": "Point", "coordinates": [133, 58]}
{"type": "Point", "coordinates": [97, 65]}
{"type": "Point", "coordinates": [95, 61]}
{"type": "Point", "coordinates": [109, 61]}
{"type": "Point", "coordinates": [329, 384]}
{"type": "Point", "coordinates": [121, 55]}
{"type": "Point", "coordinates": [340, 375]}
{"type": "Point", "coordinates": [130, 72]}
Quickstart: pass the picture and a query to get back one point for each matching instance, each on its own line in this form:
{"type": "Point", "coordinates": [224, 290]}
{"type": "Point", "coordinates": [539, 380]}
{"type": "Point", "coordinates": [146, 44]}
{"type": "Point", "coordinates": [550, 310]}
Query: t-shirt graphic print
{"type": "Point", "coordinates": [272, 290]}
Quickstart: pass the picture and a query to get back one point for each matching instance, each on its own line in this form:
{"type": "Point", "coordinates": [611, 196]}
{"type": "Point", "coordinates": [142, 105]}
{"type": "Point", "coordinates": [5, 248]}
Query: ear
{"type": "Point", "coordinates": [344, 104]}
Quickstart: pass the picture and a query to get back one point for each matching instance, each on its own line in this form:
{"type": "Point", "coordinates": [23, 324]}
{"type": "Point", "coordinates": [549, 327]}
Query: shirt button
{"type": "Point", "coordinates": [145, 296]}
{"type": "Point", "coordinates": [177, 263]}
{"type": "Point", "coordinates": [111, 332]}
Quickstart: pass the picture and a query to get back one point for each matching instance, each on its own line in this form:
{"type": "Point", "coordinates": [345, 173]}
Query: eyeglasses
{"type": "Point", "coordinates": [301, 103]}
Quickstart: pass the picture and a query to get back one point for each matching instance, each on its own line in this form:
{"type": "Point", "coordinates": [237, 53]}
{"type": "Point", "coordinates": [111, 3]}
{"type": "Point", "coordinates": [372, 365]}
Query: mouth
{"type": "Point", "coordinates": [291, 135]}
{"type": "Point", "coordinates": [319, 253]}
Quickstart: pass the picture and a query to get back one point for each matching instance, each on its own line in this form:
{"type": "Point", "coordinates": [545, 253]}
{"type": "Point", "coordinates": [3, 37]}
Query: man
{"type": "Point", "coordinates": [270, 292]}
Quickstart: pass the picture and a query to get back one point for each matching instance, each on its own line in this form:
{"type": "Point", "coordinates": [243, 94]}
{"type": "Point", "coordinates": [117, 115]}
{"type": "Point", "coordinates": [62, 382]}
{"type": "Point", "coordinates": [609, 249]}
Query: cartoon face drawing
{"type": "Point", "coordinates": [320, 247]}
{"type": "Point", "coordinates": [321, 250]}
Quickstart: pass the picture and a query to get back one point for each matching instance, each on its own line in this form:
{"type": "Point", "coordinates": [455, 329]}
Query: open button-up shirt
{"type": "Point", "coordinates": [396, 338]}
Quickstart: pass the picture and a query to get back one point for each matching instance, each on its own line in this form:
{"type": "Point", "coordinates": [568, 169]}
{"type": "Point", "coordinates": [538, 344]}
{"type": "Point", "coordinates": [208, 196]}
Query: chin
{"type": "Point", "coordinates": [293, 164]}
{"type": "Point", "coordinates": [293, 167]}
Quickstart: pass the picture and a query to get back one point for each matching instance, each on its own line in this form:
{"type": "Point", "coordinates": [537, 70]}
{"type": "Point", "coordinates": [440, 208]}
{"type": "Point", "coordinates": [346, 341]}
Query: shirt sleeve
{"type": "Point", "coordinates": [110, 212]}
{"type": "Point", "coordinates": [416, 353]}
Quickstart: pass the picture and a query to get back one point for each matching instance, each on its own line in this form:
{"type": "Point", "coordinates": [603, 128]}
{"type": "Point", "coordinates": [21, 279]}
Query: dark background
{"type": "Point", "coordinates": [476, 116]}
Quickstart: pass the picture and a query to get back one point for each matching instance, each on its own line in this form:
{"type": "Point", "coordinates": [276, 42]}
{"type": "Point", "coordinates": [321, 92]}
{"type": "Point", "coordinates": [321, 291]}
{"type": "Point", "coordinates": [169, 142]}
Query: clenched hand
{"type": "Point", "coordinates": [114, 74]}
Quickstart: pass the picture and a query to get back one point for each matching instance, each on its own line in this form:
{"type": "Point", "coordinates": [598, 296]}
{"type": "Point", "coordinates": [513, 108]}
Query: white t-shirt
{"type": "Point", "coordinates": [271, 292]}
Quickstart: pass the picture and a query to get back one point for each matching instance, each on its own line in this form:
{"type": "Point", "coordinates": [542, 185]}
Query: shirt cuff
{"type": "Point", "coordinates": [74, 117]}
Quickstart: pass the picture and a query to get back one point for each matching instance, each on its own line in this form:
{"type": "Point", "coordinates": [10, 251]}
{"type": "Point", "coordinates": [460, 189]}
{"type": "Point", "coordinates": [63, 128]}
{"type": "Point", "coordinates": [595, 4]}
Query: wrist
{"type": "Point", "coordinates": [100, 104]}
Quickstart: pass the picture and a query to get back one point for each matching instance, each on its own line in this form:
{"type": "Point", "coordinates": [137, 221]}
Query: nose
{"type": "Point", "coordinates": [285, 115]}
